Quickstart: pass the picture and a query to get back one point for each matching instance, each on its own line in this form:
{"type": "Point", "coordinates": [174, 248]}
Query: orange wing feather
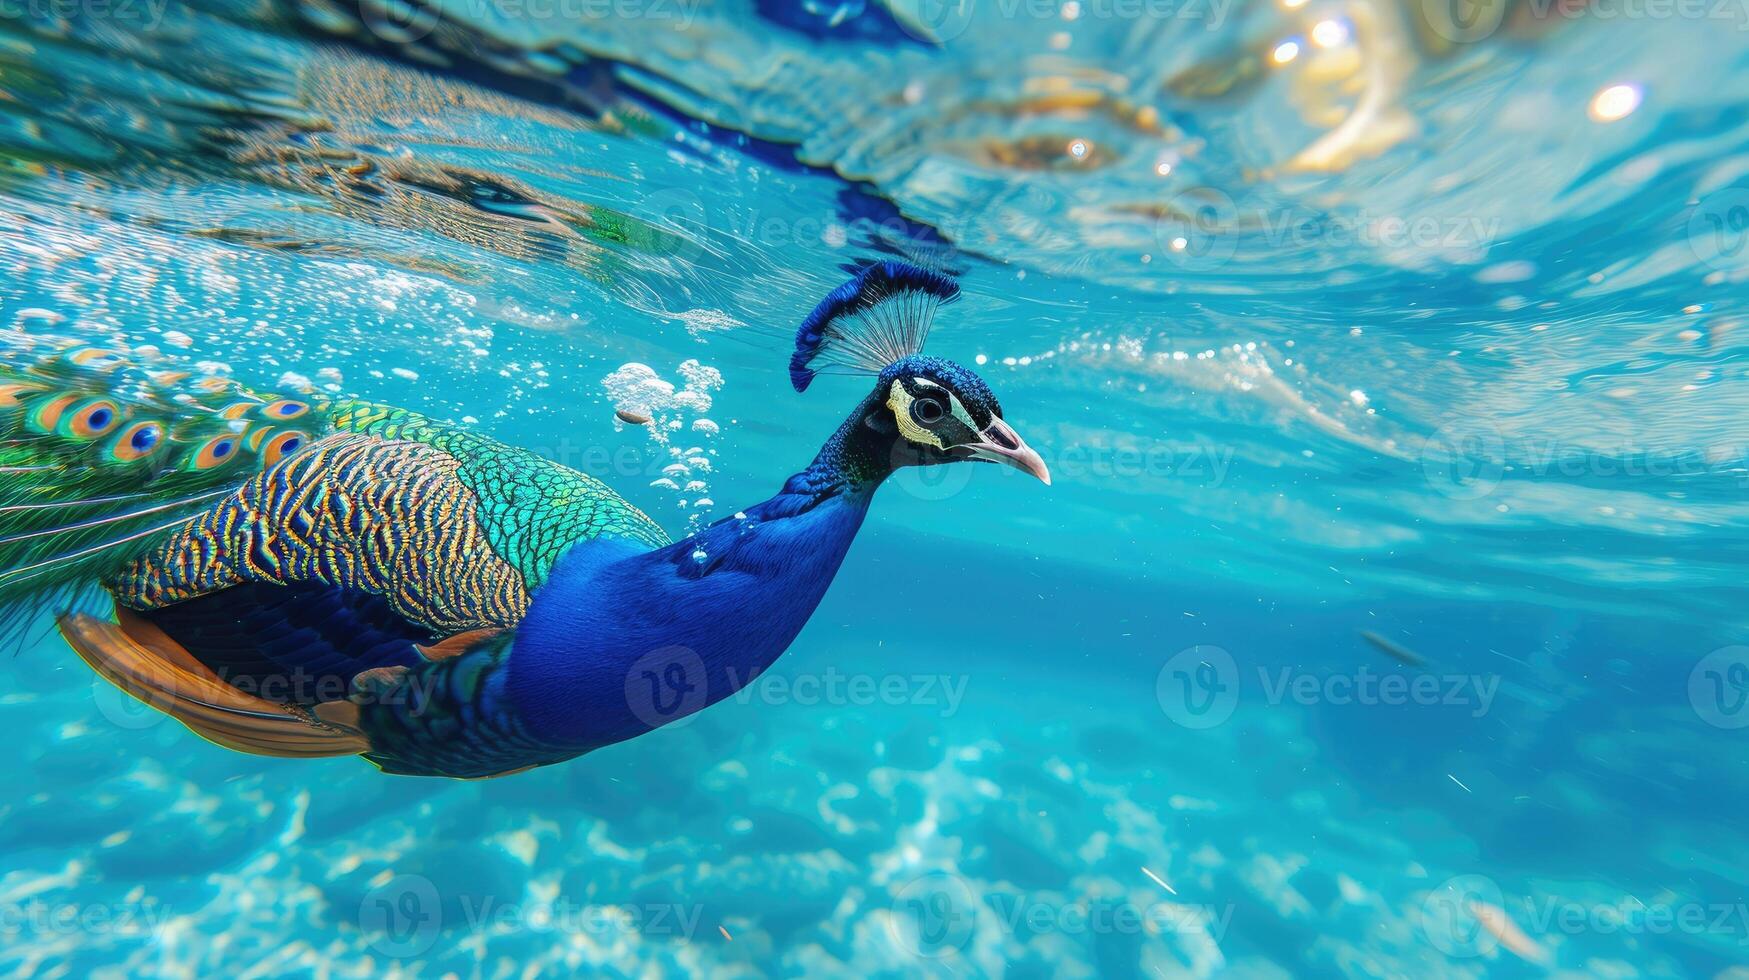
{"type": "Point", "coordinates": [141, 660]}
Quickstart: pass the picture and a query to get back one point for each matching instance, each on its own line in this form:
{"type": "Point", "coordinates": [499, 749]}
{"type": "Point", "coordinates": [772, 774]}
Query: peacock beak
{"type": "Point", "coordinates": [999, 443]}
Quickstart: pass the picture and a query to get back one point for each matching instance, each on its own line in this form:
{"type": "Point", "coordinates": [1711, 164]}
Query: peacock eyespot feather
{"type": "Point", "coordinates": [95, 357]}
{"type": "Point", "coordinates": [215, 452]}
{"type": "Point", "coordinates": [93, 420]}
{"type": "Point", "coordinates": [45, 417]}
{"type": "Point", "coordinates": [9, 393]}
{"type": "Point", "coordinates": [282, 445]}
{"type": "Point", "coordinates": [137, 441]}
{"type": "Point", "coordinates": [285, 409]}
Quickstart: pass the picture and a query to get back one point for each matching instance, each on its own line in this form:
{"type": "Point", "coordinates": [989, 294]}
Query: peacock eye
{"type": "Point", "coordinates": [928, 410]}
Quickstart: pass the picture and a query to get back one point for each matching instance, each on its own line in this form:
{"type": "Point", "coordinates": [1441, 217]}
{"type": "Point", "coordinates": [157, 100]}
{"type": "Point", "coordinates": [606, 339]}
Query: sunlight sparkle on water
{"type": "Point", "coordinates": [1615, 102]}
{"type": "Point", "coordinates": [1329, 33]}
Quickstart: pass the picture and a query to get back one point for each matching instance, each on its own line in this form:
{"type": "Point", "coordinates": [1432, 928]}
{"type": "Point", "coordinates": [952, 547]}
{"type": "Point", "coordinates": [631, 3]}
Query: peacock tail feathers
{"type": "Point", "coordinates": [117, 469]}
{"type": "Point", "coordinates": [104, 452]}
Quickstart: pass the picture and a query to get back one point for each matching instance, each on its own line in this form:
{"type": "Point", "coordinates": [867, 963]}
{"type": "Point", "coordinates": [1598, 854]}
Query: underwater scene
{"type": "Point", "coordinates": [1351, 582]}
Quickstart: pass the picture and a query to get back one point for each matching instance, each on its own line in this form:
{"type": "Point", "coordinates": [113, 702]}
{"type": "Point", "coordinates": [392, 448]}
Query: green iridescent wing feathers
{"type": "Point", "coordinates": [531, 508]}
{"type": "Point", "coordinates": [108, 456]}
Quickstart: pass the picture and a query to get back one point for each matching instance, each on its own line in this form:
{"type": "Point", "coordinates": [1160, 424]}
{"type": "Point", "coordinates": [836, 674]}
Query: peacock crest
{"type": "Point", "coordinates": [879, 317]}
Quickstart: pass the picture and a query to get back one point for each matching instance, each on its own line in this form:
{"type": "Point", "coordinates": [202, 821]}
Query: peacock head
{"type": "Point", "coordinates": [944, 413]}
{"type": "Point", "coordinates": [935, 410]}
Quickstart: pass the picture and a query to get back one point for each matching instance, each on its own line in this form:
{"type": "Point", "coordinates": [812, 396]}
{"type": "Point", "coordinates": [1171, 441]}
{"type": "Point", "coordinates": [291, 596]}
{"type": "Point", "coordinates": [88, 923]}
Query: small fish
{"type": "Point", "coordinates": [1394, 650]}
{"type": "Point", "coordinates": [1504, 929]}
{"type": "Point", "coordinates": [725, 931]}
{"type": "Point", "coordinates": [630, 417]}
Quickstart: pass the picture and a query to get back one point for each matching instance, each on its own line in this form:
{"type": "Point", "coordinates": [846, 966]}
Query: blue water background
{"type": "Point", "coordinates": [1512, 443]}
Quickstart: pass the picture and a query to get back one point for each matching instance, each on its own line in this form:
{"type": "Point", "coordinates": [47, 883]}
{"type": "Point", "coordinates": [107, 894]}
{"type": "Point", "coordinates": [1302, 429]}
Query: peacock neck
{"type": "Point", "coordinates": [619, 642]}
{"type": "Point", "coordinates": [854, 461]}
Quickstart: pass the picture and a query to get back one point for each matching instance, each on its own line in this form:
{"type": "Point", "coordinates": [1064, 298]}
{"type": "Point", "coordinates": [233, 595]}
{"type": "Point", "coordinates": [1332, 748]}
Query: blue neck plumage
{"type": "Point", "coordinates": [618, 641]}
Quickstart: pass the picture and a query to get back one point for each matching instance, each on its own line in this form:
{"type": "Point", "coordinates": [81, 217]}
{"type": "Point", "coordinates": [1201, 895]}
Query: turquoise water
{"type": "Point", "coordinates": [1331, 319]}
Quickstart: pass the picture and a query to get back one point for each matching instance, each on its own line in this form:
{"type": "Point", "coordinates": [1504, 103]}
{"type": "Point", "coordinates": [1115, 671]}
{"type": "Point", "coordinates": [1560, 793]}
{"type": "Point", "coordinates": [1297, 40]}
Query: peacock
{"type": "Point", "coordinates": [304, 577]}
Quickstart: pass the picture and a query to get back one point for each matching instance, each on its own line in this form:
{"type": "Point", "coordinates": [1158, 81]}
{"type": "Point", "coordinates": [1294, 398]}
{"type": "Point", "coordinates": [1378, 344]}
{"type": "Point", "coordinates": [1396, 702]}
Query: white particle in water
{"type": "Point", "coordinates": [1329, 33]}
{"type": "Point", "coordinates": [39, 314]}
{"type": "Point", "coordinates": [699, 321]}
{"type": "Point", "coordinates": [1614, 102]}
{"type": "Point", "coordinates": [1506, 272]}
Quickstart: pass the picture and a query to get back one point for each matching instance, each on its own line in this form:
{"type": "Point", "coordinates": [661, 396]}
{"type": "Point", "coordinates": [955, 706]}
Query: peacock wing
{"type": "Point", "coordinates": [284, 550]}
